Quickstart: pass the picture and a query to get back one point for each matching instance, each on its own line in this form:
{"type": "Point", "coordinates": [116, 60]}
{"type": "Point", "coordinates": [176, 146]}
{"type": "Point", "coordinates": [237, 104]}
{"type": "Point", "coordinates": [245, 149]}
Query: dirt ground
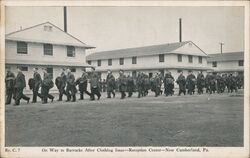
{"type": "Point", "coordinates": [199, 120]}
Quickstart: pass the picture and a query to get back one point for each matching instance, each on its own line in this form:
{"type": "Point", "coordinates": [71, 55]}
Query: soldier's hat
{"type": "Point", "coordinates": [121, 70]}
{"type": "Point", "coordinates": [92, 68]}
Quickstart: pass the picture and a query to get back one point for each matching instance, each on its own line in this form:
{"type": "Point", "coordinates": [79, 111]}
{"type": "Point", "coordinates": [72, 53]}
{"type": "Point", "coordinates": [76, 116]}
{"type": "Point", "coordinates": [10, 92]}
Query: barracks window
{"type": "Point", "coordinates": [48, 49]}
{"type": "Point", "coordinates": [241, 62]}
{"type": "Point", "coordinates": [99, 62]}
{"type": "Point", "coordinates": [134, 60]}
{"type": "Point", "coordinates": [200, 59]}
{"type": "Point", "coordinates": [161, 57]}
{"type": "Point", "coordinates": [179, 58]}
{"type": "Point", "coordinates": [109, 62]}
{"type": "Point", "coordinates": [70, 51]}
{"type": "Point", "coordinates": [89, 62]}
{"type": "Point", "coordinates": [214, 64]}
{"type": "Point", "coordinates": [190, 59]}
{"type": "Point", "coordinates": [121, 61]}
{"type": "Point", "coordinates": [22, 48]}
{"type": "Point", "coordinates": [73, 69]}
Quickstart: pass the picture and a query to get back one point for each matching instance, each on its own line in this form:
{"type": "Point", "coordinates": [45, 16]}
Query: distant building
{"type": "Point", "coordinates": [171, 57]}
{"type": "Point", "coordinates": [45, 46]}
{"type": "Point", "coordinates": [227, 62]}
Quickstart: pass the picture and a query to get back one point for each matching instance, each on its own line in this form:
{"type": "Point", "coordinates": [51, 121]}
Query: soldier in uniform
{"type": "Point", "coordinates": [233, 83]}
{"type": "Point", "coordinates": [122, 84]}
{"type": "Point", "coordinates": [95, 85]}
{"type": "Point", "coordinates": [82, 83]}
{"type": "Point", "coordinates": [130, 85]}
{"type": "Point", "coordinates": [61, 84]}
{"type": "Point", "coordinates": [37, 81]}
{"type": "Point", "coordinates": [157, 84]}
{"type": "Point", "coordinates": [168, 84]}
{"type": "Point", "coordinates": [200, 82]}
{"type": "Point", "coordinates": [9, 85]}
{"type": "Point", "coordinates": [47, 84]}
{"type": "Point", "coordinates": [220, 83]}
{"type": "Point", "coordinates": [208, 79]}
{"type": "Point", "coordinates": [20, 84]}
{"type": "Point", "coordinates": [70, 88]}
{"type": "Point", "coordinates": [181, 81]}
{"type": "Point", "coordinates": [190, 82]}
{"type": "Point", "coordinates": [111, 84]}
{"type": "Point", "coordinates": [140, 84]}
{"type": "Point", "coordinates": [104, 85]}
{"type": "Point", "coordinates": [146, 84]}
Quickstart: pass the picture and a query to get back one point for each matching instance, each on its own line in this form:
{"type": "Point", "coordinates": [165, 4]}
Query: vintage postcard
{"type": "Point", "coordinates": [125, 79]}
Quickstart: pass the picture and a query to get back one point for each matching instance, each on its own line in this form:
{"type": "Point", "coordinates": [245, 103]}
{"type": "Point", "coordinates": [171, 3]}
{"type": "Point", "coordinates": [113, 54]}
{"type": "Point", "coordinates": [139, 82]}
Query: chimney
{"type": "Point", "coordinates": [65, 18]}
{"type": "Point", "coordinates": [180, 29]}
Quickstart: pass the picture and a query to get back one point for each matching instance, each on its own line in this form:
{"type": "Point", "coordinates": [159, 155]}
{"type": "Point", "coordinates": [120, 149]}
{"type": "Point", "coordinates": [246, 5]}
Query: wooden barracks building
{"type": "Point", "coordinates": [171, 57]}
{"type": "Point", "coordinates": [45, 46]}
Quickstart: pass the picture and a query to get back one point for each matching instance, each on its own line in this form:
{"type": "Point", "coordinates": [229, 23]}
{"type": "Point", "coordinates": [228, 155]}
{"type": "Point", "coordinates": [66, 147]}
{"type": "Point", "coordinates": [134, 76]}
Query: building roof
{"type": "Point", "coordinates": [231, 56]}
{"type": "Point", "coordinates": [176, 48]}
{"type": "Point", "coordinates": [51, 34]}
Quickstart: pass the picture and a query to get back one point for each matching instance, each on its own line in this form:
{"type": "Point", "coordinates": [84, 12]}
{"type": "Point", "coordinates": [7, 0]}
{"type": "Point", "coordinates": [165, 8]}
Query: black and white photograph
{"type": "Point", "coordinates": [125, 79]}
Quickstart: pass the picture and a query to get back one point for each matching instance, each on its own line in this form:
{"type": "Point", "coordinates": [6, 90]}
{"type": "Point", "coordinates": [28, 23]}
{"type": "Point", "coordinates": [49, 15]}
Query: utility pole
{"type": "Point", "coordinates": [221, 45]}
{"type": "Point", "coordinates": [65, 18]}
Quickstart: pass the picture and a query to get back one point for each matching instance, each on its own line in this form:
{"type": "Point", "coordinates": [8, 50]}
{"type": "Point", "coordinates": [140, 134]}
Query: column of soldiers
{"type": "Point", "coordinates": [142, 83]}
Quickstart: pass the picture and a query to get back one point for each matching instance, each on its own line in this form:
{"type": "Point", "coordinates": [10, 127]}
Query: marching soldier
{"type": "Point", "coordinates": [61, 84]}
{"type": "Point", "coordinates": [146, 84]}
{"type": "Point", "coordinates": [82, 83]}
{"type": "Point", "coordinates": [20, 84]}
{"type": "Point", "coordinates": [168, 84]}
{"type": "Point", "coordinates": [181, 81]}
{"type": "Point", "coordinates": [140, 84]}
{"type": "Point", "coordinates": [104, 85]}
{"type": "Point", "coordinates": [157, 84]}
{"type": "Point", "coordinates": [220, 83]}
{"type": "Point", "coordinates": [200, 82]}
{"type": "Point", "coordinates": [36, 85]}
{"type": "Point", "coordinates": [130, 85]}
{"type": "Point", "coordinates": [95, 85]}
{"type": "Point", "coordinates": [191, 82]}
{"type": "Point", "coordinates": [9, 85]}
{"type": "Point", "coordinates": [47, 84]}
{"type": "Point", "coordinates": [110, 80]}
{"type": "Point", "coordinates": [232, 83]}
{"type": "Point", "coordinates": [122, 84]}
{"type": "Point", "coordinates": [70, 88]}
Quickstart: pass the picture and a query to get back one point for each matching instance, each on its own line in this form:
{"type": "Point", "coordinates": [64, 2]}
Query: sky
{"type": "Point", "coordinates": [109, 28]}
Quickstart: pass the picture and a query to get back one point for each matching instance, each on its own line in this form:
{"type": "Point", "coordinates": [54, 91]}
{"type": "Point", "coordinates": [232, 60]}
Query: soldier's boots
{"type": "Point", "coordinates": [81, 96]}
{"type": "Point", "coordinates": [73, 98]}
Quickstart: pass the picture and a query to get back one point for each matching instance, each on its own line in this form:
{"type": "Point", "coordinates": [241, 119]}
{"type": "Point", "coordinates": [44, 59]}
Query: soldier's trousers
{"type": "Point", "coordinates": [71, 91]}
{"type": "Point", "coordinates": [45, 94]}
{"type": "Point", "coordinates": [157, 91]}
{"type": "Point", "coordinates": [95, 91]}
{"type": "Point", "coordinates": [82, 93]}
{"type": "Point", "coordinates": [62, 92]}
{"type": "Point", "coordinates": [35, 94]}
{"type": "Point", "coordinates": [123, 94]}
{"type": "Point", "coordinates": [19, 95]}
{"type": "Point", "coordinates": [109, 94]}
{"type": "Point", "coordinates": [9, 93]}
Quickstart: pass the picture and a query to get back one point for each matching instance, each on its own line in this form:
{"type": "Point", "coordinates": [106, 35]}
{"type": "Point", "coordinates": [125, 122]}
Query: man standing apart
{"type": "Point", "coordinates": [9, 85]}
{"type": "Point", "coordinates": [20, 84]}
